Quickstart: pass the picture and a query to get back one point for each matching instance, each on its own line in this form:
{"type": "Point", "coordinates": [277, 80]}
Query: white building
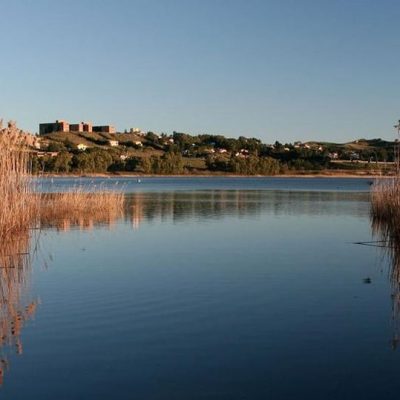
{"type": "Point", "coordinates": [81, 147]}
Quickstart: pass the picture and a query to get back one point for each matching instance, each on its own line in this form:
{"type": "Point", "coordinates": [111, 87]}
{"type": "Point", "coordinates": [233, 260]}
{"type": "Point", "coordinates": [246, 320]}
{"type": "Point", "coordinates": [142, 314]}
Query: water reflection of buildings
{"type": "Point", "coordinates": [217, 204]}
{"type": "Point", "coordinates": [136, 208]}
{"type": "Point", "coordinates": [214, 204]}
{"type": "Point", "coordinates": [15, 309]}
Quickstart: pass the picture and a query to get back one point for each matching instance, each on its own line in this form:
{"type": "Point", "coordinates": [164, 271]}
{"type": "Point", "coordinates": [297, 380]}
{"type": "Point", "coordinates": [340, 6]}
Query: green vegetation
{"type": "Point", "coordinates": [182, 153]}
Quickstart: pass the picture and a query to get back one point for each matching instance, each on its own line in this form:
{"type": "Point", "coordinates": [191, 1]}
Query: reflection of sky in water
{"type": "Point", "coordinates": [154, 184]}
{"type": "Point", "coordinates": [217, 295]}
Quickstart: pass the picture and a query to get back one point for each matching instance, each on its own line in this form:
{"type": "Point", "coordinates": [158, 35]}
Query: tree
{"type": "Point", "coordinates": [62, 162]}
{"type": "Point", "coordinates": [56, 146]}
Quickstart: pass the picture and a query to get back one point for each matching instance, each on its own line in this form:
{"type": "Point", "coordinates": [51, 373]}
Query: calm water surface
{"type": "Point", "coordinates": [210, 289]}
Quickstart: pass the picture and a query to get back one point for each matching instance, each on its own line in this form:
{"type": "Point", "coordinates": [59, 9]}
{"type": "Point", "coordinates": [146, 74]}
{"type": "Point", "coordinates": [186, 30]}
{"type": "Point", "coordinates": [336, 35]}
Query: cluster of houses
{"type": "Point", "coordinates": [242, 153]}
{"type": "Point", "coordinates": [300, 145]}
{"type": "Point", "coordinates": [88, 127]}
{"type": "Point", "coordinates": [60, 126]}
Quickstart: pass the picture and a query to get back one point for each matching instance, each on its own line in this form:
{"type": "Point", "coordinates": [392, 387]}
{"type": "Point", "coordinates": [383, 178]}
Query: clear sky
{"type": "Point", "coordinates": [275, 69]}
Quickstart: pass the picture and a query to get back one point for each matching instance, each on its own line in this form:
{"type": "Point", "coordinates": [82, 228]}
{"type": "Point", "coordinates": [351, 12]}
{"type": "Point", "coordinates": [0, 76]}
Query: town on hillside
{"type": "Point", "coordinates": [64, 147]}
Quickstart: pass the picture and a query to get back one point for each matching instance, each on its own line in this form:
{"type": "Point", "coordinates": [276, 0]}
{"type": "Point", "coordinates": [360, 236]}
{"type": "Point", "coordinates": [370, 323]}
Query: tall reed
{"type": "Point", "coordinates": [18, 205]}
{"type": "Point", "coordinates": [385, 199]}
{"type": "Point", "coordinates": [21, 209]}
{"type": "Point", "coordinates": [385, 216]}
{"type": "Point", "coordinates": [82, 205]}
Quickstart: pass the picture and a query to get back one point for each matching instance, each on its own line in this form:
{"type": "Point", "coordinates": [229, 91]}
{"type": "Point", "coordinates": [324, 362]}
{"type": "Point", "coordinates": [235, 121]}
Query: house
{"type": "Point", "coordinates": [354, 156]}
{"type": "Point", "coordinates": [36, 144]}
{"type": "Point", "coordinates": [222, 151]}
{"type": "Point", "coordinates": [123, 157]}
{"type": "Point", "coordinates": [138, 143]}
{"type": "Point", "coordinates": [41, 154]}
{"type": "Point", "coordinates": [113, 143]}
{"type": "Point", "coordinates": [81, 147]}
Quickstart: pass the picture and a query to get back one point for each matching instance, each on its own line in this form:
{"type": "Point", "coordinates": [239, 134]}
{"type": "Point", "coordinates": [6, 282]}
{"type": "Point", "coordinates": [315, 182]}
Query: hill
{"type": "Point", "coordinates": [182, 153]}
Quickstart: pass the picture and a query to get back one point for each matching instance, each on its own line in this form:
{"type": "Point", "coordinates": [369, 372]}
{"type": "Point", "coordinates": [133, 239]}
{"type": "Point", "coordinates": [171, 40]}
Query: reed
{"type": "Point", "coordinates": [18, 203]}
{"type": "Point", "coordinates": [385, 217]}
{"type": "Point", "coordinates": [78, 204]}
{"type": "Point", "coordinates": [385, 199]}
{"type": "Point", "coordinates": [21, 207]}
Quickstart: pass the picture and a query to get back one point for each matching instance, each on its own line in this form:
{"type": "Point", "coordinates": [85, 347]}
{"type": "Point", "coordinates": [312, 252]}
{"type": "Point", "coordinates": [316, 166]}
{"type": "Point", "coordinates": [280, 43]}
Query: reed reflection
{"type": "Point", "coordinates": [387, 233]}
{"type": "Point", "coordinates": [211, 204]}
{"type": "Point", "coordinates": [15, 306]}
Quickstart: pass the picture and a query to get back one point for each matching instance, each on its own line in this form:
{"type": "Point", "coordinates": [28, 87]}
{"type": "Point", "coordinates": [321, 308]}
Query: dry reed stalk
{"type": "Point", "coordinates": [21, 207]}
{"type": "Point", "coordinates": [80, 206]}
{"type": "Point", "coordinates": [18, 205]}
{"type": "Point", "coordinates": [385, 215]}
{"type": "Point", "coordinates": [20, 210]}
{"type": "Point", "coordinates": [385, 198]}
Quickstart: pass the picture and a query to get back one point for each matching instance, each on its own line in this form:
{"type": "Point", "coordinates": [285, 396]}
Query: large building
{"type": "Point", "coordinates": [104, 128]}
{"type": "Point", "coordinates": [64, 126]}
{"type": "Point", "coordinates": [58, 126]}
{"type": "Point", "coordinates": [81, 127]}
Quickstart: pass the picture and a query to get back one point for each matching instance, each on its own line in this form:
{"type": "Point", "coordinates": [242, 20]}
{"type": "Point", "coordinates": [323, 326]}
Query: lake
{"type": "Point", "coordinates": [205, 288]}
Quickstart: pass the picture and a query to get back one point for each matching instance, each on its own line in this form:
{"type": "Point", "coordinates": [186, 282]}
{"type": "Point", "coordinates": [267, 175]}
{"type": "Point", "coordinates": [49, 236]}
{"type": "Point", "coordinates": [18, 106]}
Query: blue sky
{"type": "Point", "coordinates": [275, 69]}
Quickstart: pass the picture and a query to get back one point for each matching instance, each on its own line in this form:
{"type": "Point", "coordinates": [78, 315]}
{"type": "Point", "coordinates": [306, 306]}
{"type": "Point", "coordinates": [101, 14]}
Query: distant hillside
{"type": "Point", "coordinates": [180, 153]}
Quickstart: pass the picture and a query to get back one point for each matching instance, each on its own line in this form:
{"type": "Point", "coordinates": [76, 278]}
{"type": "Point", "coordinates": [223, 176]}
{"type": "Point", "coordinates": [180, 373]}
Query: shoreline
{"type": "Point", "coordinates": [195, 176]}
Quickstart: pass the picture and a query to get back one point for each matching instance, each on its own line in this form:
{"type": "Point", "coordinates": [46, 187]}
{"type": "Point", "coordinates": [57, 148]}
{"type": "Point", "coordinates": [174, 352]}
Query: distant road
{"type": "Point", "coordinates": [362, 162]}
